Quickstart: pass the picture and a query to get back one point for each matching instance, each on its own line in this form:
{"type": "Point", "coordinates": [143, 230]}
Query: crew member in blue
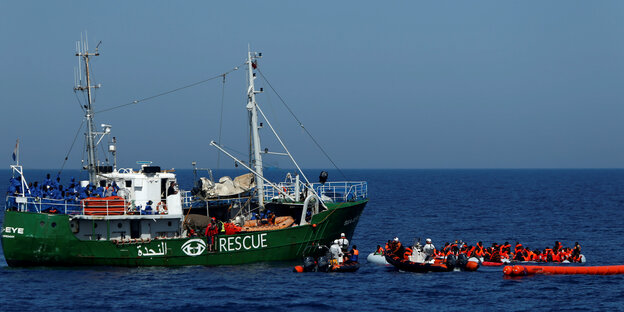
{"type": "Point", "coordinates": [99, 192]}
{"type": "Point", "coordinates": [56, 182]}
{"type": "Point", "coordinates": [36, 190]}
{"type": "Point", "coordinates": [47, 181]}
{"type": "Point", "coordinates": [12, 187]}
{"type": "Point", "coordinates": [82, 193]}
{"type": "Point", "coordinates": [148, 208]}
{"type": "Point", "coordinates": [115, 189]}
{"type": "Point", "coordinates": [13, 190]}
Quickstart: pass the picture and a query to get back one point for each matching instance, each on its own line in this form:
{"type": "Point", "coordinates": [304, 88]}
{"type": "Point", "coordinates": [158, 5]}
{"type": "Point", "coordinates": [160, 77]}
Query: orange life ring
{"type": "Point", "coordinates": [161, 206]}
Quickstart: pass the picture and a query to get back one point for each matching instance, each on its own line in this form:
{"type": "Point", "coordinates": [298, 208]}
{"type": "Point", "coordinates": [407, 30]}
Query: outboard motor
{"type": "Point", "coordinates": [323, 177]}
{"type": "Point", "coordinates": [462, 260]}
{"type": "Point", "coordinates": [451, 261]}
{"type": "Point", "coordinates": [323, 264]}
{"type": "Point", "coordinates": [309, 265]}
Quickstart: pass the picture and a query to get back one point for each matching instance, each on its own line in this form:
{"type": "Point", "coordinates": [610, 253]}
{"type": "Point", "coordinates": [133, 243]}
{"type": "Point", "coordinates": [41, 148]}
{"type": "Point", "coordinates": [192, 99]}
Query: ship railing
{"type": "Point", "coordinates": [329, 191]}
{"type": "Point", "coordinates": [187, 199]}
{"type": "Point", "coordinates": [94, 206]}
{"type": "Point", "coordinates": [37, 204]}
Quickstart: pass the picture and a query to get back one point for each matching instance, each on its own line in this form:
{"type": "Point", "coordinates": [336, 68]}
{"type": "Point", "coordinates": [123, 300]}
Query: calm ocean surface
{"type": "Point", "coordinates": [535, 207]}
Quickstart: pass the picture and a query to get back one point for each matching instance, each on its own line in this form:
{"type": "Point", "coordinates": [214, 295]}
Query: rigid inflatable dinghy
{"type": "Point", "coordinates": [263, 225]}
{"type": "Point", "coordinates": [378, 259]}
{"type": "Point", "coordinates": [416, 263]}
{"type": "Point", "coordinates": [323, 264]}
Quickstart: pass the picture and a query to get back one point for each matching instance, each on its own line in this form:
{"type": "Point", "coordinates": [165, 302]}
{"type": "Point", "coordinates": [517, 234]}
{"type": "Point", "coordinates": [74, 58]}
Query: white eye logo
{"type": "Point", "coordinates": [194, 247]}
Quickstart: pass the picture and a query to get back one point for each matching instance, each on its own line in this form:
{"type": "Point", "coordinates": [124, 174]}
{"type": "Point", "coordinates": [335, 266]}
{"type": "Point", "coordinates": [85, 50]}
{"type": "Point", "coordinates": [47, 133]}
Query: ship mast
{"type": "Point", "coordinates": [256, 160]}
{"type": "Point", "coordinates": [83, 52]}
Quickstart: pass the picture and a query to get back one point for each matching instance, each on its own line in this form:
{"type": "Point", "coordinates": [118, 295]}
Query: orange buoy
{"type": "Point", "coordinates": [471, 266]}
{"type": "Point", "coordinates": [518, 270]}
{"type": "Point", "coordinates": [507, 270]}
{"type": "Point", "coordinates": [521, 270]}
{"type": "Point", "coordinates": [298, 269]}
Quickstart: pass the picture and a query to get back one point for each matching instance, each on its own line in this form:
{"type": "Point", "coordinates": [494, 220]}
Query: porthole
{"type": "Point", "coordinates": [119, 225]}
{"type": "Point", "coordinates": [169, 223]}
{"type": "Point", "coordinates": [53, 224]}
{"type": "Point", "coordinates": [42, 223]}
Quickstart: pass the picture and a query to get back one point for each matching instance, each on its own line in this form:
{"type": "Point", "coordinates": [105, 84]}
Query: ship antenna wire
{"type": "Point", "coordinates": [70, 148]}
{"type": "Point", "coordinates": [301, 124]}
{"type": "Point", "coordinates": [170, 91]}
{"type": "Point", "coordinates": [221, 120]}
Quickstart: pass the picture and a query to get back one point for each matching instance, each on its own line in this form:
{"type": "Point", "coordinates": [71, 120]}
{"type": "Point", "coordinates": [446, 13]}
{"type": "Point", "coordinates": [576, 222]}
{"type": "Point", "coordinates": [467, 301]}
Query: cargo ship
{"type": "Point", "coordinates": [139, 216]}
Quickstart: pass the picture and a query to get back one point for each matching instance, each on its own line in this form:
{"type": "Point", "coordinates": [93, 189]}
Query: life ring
{"type": "Point", "coordinates": [161, 207]}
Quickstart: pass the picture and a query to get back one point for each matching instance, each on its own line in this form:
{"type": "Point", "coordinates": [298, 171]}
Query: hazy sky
{"type": "Point", "coordinates": [380, 84]}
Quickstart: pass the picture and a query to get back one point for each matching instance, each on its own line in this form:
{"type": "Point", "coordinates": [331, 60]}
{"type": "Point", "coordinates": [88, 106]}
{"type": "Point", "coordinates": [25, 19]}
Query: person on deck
{"type": "Point", "coordinates": [408, 253]}
{"type": "Point", "coordinates": [211, 230]}
{"type": "Point", "coordinates": [380, 250]}
{"type": "Point", "coordinates": [148, 208]}
{"type": "Point", "coordinates": [171, 190]}
{"type": "Point", "coordinates": [446, 249]}
{"type": "Point", "coordinates": [557, 247]}
{"type": "Point", "coordinates": [495, 253]}
{"type": "Point", "coordinates": [576, 252]}
{"type": "Point", "coordinates": [271, 218]}
{"type": "Point", "coordinates": [115, 189]}
{"type": "Point", "coordinates": [336, 251]}
{"type": "Point", "coordinates": [429, 249]}
{"type": "Point", "coordinates": [99, 192]}
{"type": "Point", "coordinates": [36, 190]}
{"type": "Point", "coordinates": [479, 250]}
{"type": "Point", "coordinates": [353, 255]}
{"type": "Point", "coordinates": [47, 182]}
{"type": "Point", "coordinates": [506, 247]}
{"type": "Point", "coordinates": [519, 255]}
{"type": "Point", "coordinates": [343, 242]}
{"type": "Point", "coordinates": [108, 191]}
{"type": "Point", "coordinates": [397, 248]}
{"type": "Point", "coordinates": [548, 255]}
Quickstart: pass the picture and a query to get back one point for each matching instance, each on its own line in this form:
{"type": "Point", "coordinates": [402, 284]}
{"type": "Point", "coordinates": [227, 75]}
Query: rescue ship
{"type": "Point", "coordinates": [120, 230]}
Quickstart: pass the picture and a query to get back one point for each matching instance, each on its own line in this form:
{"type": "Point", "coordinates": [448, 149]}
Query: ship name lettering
{"type": "Point", "coordinates": [351, 221]}
{"type": "Point", "coordinates": [14, 230]}
{"type": "Point", "coordinates": [247, 242]}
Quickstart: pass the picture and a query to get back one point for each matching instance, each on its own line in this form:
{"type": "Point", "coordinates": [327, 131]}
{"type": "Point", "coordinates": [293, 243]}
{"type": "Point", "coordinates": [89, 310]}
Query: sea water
{"type": "Point", "coordinates": [534, 207]}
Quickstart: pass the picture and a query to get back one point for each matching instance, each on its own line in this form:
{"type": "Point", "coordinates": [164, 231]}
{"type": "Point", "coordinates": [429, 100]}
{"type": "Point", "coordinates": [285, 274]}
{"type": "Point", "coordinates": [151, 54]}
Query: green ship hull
{"type": "Point", "coordinates": [40, 239]}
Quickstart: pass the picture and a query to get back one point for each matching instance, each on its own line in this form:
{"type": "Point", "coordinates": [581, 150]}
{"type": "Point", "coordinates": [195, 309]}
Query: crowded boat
{"type": "Point", "coordinates": [495, 254]}
{"type": "Point", "coordinates": [335, 258]}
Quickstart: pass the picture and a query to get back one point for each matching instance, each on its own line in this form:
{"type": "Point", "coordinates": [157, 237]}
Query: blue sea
{"type": "Point", "coordinates": [534, 207]}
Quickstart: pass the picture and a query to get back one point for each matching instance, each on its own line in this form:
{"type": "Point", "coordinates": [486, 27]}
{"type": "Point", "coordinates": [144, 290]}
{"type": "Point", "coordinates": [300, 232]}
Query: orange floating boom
{"type": "Point", "coordinates": [522, 270]}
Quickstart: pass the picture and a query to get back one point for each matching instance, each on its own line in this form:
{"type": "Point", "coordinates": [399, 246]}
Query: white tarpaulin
{"type": "Point", "coordinates": [228, 187]}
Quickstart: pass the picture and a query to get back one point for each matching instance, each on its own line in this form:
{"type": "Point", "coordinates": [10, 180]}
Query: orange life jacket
{"type": "Point", "coordinates": [479, 251]}
{"type": "Point", "coordinates": [471, 251]}
{"type": "Point", "coordinates": [408, 253]}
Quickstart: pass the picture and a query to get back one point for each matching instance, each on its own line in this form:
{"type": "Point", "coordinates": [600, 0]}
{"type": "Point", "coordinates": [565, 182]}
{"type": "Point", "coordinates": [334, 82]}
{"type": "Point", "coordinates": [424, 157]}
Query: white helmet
{"type": "Point", "coordinates": [342, 235]}
{"type": "Point", "coordinates": [428, 240]}
{"type": "Point", "coordinates": [396, 239]}
{"type": "Point", "coordinates": [336, 241]}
